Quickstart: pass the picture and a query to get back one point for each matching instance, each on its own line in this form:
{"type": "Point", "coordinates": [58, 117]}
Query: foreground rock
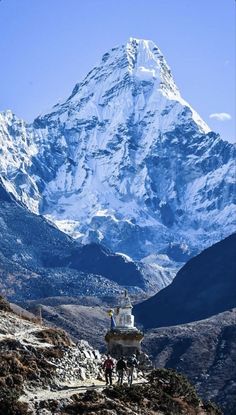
{"type": "Point", "coordinates": [205, 351]}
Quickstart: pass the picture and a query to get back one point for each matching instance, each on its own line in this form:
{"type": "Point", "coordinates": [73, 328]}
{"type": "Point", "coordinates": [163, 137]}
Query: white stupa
{"type": "Point", "coordinates": [124, 318]}
{"type": "Point", "coordinates": [123, 338]}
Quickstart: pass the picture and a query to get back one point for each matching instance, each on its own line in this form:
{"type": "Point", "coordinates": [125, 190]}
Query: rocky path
{"type": "Point", "coordinates": [61, 392]}
{"type": "Point", "coordinates": [67, 390]}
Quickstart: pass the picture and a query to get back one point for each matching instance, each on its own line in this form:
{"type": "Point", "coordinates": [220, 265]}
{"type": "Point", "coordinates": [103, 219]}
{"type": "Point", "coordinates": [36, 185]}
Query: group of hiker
{"type": "Point", "coordinates": [122, 366]}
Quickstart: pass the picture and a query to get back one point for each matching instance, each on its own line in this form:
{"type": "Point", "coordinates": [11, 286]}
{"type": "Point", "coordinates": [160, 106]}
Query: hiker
{"type": "Point", "coordinates": [131, 364]}
{"type": "Point", "coordinates": [120, 367]}
{"type": "Point", "coordinates": [108, 366]}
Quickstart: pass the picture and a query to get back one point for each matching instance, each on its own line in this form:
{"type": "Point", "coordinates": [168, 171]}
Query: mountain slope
{"type": "Point", "coordinates": [204, 351]}
{"type": "Point", "coordinates": [125, 161]}
{"type": "Point", "coordinates": [205, 286]}
{"type": "Point", "coordinates": [37, 260]}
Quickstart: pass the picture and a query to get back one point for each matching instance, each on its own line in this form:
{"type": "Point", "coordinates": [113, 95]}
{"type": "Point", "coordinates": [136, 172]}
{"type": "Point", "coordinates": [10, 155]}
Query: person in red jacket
{"type": "Point", "coordinates": [108, 366]}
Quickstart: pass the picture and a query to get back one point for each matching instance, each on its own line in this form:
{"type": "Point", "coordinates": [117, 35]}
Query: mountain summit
{"type": "Point", "coordinates": [119, 74]}
{"type": "Point", "coordinates": [125, 161]}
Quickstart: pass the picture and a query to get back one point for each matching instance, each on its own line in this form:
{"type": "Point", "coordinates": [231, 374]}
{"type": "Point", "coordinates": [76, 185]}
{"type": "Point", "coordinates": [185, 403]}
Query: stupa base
{"type": "Point", "coordinates": [123, 342]}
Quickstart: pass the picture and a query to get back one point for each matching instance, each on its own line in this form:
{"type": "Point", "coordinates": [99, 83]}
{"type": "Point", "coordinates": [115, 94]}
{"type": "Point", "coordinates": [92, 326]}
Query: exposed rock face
{"type": "Point", "coordinates": [205, 351]}
{"type": "Point", "coordinates": [125, 161]}
{"type": "Point", "coordinates": [205, 286]}
{"type": "Point", "coordinates": [80, 363]}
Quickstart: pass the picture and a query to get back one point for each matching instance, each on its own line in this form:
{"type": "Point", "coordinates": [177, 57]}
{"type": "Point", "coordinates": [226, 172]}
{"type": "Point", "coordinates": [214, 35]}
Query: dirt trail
{"type": "Point", "coordinates": [65, 391]}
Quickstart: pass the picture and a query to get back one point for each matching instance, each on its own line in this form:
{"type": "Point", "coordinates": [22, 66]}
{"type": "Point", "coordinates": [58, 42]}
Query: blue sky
{"type": "Point", "coordinates": [46, 46]}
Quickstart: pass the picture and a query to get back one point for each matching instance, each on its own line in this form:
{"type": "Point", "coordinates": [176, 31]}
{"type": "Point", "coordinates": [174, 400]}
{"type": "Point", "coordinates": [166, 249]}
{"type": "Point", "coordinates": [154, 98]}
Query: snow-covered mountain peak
{"type": "Point", "coordinates": [147, 63]}
{"type": "Point", "coordinates": [139, 60]}
{"type": "Point", "coordinates": [9, 119]}
{"type": "Point", "coordinates": [6, 115]}
{"type": "Point", "coordinates": [130, 78]}
{"type": "Point", "coordinates": [141, 52]}
{"type": "Point", "coordinates": [125, 161]}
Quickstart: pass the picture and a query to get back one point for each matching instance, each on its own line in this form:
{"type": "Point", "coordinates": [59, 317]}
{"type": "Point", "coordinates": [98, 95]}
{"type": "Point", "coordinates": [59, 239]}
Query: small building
{"type": "Point", "coordinates": [123, 338]}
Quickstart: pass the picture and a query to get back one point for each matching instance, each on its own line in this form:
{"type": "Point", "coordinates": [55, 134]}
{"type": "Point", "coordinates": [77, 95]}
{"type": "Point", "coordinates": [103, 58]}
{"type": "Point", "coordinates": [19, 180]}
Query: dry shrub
{"type": "Point", "coordinates": [4, 305]}
{"type": "Point", "coordinates": [53, 336]}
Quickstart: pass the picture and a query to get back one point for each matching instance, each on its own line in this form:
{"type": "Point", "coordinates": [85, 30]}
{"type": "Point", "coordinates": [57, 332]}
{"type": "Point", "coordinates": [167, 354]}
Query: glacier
{"type": "Point", "coordinates": [126, 162]}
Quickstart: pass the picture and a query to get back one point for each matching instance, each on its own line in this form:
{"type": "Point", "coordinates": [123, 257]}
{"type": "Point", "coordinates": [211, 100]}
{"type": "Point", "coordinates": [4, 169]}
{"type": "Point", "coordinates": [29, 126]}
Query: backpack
{"type": "Point", "coordinates": [131, 362]}
{"type": "Point", "coordinates": [120, 365]}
